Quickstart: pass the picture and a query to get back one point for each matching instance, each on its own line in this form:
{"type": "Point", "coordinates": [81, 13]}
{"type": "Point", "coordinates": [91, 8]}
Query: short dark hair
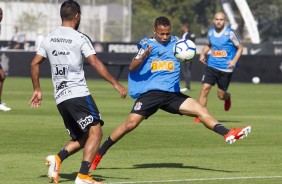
{"type": "Point", "coordinates": [164, 21]}
{"type": "Point", "coordinates": [69, 9]}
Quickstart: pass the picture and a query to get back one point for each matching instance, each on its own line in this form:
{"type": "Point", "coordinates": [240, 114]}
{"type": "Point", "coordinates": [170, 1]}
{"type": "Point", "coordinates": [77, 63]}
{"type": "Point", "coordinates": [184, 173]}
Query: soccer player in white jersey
{"type": "Point", "coordinates": [3, 106]}
{"type": "Point", "coordinates": [226, 50]}
{"type": "Point", "coordinates": [65, 48]}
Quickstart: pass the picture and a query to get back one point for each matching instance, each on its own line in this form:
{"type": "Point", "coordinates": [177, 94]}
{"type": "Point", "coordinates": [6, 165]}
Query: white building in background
{"type": "Point", "coordinates": [102, 23]}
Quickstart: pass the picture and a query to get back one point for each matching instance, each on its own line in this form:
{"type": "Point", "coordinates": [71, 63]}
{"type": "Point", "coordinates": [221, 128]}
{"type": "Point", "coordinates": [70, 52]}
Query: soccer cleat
{"type": "Point", "coordinates": [54, 165]}
{"type": "Point", "coordinates": [4, 108]}
{"type": "Point", "coordinates": [96, 161]}
{"type": "Point", "coordinates": [227, 104]}
{"type": "Point", "coordinates": [85, 179]}
{"type": "Point", "coordinates": [237, 133]}
{"type": "Point", "coordinates": [197, 120]}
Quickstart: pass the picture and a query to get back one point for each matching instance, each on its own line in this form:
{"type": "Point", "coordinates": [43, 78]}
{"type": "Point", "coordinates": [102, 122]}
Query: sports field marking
{"type": "Point", "coordinates": [199, 179]}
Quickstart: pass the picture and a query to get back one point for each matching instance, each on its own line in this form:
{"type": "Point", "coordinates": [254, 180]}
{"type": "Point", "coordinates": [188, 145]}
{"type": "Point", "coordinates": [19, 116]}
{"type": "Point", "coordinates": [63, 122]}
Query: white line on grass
{"type": "Point", "coordinates": [199, 179]}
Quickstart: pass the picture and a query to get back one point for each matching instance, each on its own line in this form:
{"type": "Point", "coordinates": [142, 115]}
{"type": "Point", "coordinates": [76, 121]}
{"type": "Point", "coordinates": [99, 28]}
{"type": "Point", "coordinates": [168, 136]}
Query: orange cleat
{"type": "Point", "coordinates": [197, 120]}
{"type": "Point", "coordinates": [85, 179]}
{"type": "Point", "coordinates": [54, 165]}
{"type": "Point", "coordinates": [237, 133]}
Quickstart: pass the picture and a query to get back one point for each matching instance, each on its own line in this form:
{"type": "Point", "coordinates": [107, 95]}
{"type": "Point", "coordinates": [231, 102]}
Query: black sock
{"type": "Point", "coordinates": [107, 144]}
{"type": "Point", "coordinates": [63, 154]}
{"type": "Point", "coordinates": [220, 129]}
{"type": "Point", "coordinates": [84, 169]}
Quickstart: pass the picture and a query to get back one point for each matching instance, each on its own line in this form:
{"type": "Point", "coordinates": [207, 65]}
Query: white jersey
{"type": "Point", "coordinates": [65, 47]}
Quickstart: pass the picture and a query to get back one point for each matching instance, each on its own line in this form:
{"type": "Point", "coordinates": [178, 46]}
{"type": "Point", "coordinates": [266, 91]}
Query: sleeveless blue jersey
{"type": "Point", "coordinates": [160, 71]}
{"type": "Point", "coordinates": [222, 49]}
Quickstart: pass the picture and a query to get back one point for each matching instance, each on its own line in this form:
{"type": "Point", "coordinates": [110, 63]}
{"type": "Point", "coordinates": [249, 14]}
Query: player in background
{"type": "Point", "coordinates": [3, 106]}
{"type": "Point", "coordinates": [226, 50]}
{"type": "Point", "coordinates": [188, 35]}
{"type": "Point", "coordinates": [65, 48]}
{"type": "Point", "coordinates": [154, 77]}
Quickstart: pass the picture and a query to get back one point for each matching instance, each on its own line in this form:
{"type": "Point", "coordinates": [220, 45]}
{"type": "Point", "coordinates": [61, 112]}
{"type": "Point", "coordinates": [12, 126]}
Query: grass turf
{"type": "Point", "coordinates": [165, 148]}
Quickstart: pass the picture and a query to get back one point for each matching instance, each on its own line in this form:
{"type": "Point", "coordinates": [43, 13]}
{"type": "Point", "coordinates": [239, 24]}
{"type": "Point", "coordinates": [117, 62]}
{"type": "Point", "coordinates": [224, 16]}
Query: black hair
{"type": "Point", "coordinates": [69, 9]}
{"type": "Point", "coordinates": [164, 21]}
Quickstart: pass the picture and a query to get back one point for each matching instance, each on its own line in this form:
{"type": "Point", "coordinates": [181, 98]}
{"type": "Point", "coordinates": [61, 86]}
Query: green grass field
{"type": "Point", "coordinates": [165, 148]}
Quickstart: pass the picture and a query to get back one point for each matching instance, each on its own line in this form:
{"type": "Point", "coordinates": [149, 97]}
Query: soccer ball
{"type": "Point", "coordinates": [256, 80]}
{"type": "Point", "coordinates": [184, 50]}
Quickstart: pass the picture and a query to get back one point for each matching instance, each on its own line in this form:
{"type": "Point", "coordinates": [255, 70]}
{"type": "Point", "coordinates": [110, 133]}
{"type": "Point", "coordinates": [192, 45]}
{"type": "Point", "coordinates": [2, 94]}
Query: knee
{"type": "Point", "coordinates": [129, 125]}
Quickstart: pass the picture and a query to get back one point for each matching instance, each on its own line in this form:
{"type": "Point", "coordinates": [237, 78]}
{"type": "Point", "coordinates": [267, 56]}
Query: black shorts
{"type": "Point", "coordinates": [79, 114]}
{"type": "Point", "coordinates": [1, 67]}
{"type": "Point", "coordinates": [148, 103]}
{"type": "Point", "coordinates": [213, 76]}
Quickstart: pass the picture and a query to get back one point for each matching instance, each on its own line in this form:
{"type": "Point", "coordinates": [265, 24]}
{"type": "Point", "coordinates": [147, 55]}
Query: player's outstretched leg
{"type": "Point", "coordinates": [237, 133]}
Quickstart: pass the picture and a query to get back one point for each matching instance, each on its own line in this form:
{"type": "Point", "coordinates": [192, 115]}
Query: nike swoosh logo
{"type": "Point", "coordinates": [255, 51]}
{"type": "Point", "coordinates": [160, 54]}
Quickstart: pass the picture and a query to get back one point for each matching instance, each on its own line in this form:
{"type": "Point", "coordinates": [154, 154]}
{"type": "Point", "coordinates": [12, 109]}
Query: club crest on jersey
{"type": "Point", "coordinates": [137, 106]}
{"type": "Point", "coordinates": [86, 121]}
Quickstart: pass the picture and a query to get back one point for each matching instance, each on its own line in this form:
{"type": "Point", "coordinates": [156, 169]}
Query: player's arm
{"type": "Point", "coordinates": [236, 42]}
{"type": "Point", "coordinates": [95, 62]}
{"type": "Point", "coordinates": [139, 58]}
{"type": "Point", "coordinates": [36, 98]}
{"type": "Point", "coordinates": [205, 50]}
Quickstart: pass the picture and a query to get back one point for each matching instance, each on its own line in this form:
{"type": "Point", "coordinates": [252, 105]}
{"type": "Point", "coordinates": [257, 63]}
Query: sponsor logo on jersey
{"type": "Point", "coordinates": [60, 53]}
{"type": "Point", "coordinates": [162, 65]}
{"type": "Point", "coordinates": [86, 121]}
{"type": "Point", "coordinates": [63, 93]}
{"type": "Point", "coordinates": [60, 70]}
{"type": "Point", "coordinates": [61, 40]}
{"type": "Point", "coordinates": [137, 106]}
{"type": "Point", "coordinates": [219, 53]}
{"type": "Point", "coordinates": [61, 85]}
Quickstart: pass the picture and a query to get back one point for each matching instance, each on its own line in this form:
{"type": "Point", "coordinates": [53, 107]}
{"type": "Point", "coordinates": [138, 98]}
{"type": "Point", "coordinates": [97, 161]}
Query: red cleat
{"type": "Point", "coordinates": [96, 161]}
{"type": "Point", "coordinates": [227, 104]}
{"type": "Point", "coordinates": [237, 133]}
{"type": "Point", "coordinates": [197, 120]}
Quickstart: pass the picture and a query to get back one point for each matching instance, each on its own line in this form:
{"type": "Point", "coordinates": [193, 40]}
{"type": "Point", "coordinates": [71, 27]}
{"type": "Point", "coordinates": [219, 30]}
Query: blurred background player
{"type": "Point", "coordinates": [186, 69]}
{"type": "Point", "coordinates": [226, 50]}
{"type": "Point", "coordinates": [78, 109]}
{"type": "Point", "coordinates": [3, 106]}
{"type": "Point", "coordinates": [154, 77]}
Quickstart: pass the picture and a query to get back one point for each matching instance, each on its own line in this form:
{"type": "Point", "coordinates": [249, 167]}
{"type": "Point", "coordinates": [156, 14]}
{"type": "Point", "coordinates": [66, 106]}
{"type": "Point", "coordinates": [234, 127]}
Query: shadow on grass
{"type": "Point", "coordinates": [66, 177]}
{"type": "Point", "coordinates": [170, 165]}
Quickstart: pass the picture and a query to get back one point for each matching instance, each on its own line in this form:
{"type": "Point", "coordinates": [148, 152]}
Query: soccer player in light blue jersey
{"type": "Point", "coordinates": [154, 75]}
{"type": "Point", "coordinates": [226, 50]}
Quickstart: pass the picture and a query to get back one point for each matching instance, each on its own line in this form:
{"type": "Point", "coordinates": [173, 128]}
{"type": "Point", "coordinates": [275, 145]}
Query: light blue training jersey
{"type": "Point", "coordinates": [223, 48]}
{"type": "Point", "coordinates": [160, 71]}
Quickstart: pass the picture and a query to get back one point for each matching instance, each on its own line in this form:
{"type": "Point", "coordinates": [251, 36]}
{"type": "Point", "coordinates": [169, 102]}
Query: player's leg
{"type": "Point", "coordinates": [130, 124]}
{"type": "Point", "coordinates": [90, 150]}
{"type": "Point", "coordinates": [223, 84]}
{"type": "Point", "coordinates": [3, 106]}
{"type": "Point", "coordinates": [191, 107]}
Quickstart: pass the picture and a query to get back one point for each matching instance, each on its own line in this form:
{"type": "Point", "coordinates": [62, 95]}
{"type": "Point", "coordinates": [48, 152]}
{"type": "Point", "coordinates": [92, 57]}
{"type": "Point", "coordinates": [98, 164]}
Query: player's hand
{"type": "Point", "coordinates": [147, 52]}
{"type": "Point", "coordinates": [232, 64]}
{"type": "Point", "coordinates": [202, 58]}
{"type": "Point", "coordinates": [36, 99]}
{"type": "Point", "coordinates": [122, 90]}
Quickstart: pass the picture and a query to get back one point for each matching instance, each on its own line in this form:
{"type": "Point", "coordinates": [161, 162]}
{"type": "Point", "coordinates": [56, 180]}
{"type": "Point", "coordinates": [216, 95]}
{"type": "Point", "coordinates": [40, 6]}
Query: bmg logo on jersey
{"type": "Point", "coordinates": [86, 121]}
{"type": "Point", "coordinates": [60, 70]}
